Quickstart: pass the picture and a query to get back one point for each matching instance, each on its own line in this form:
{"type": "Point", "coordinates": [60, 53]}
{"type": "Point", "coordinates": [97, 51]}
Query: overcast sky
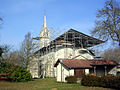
{"type": "Point", "coordinates": [22, 16]}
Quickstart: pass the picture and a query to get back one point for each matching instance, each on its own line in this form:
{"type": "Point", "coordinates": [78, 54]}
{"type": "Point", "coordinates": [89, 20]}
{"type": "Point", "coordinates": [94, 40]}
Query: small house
{"type": "Point", "coordinates": [79, 67]}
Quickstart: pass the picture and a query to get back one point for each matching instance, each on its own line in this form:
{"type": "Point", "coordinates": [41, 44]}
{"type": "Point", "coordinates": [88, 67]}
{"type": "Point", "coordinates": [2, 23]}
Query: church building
{"type": "Point", "coordinates": [70, 45]}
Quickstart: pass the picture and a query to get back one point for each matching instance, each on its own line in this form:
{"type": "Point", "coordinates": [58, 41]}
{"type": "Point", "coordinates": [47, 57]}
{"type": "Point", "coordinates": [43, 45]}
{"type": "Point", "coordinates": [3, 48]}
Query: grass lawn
{"type": "Point", "coordinates": [44, 84]}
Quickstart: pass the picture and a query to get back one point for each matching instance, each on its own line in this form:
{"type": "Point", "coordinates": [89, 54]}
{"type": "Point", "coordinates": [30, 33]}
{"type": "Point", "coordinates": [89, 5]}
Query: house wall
{"type": "Point", "coordinates": [63, 72]}
{"type": "Point", "coordinates": [59, 72]}
{"type": "Point", "coordinates": [86, 71]}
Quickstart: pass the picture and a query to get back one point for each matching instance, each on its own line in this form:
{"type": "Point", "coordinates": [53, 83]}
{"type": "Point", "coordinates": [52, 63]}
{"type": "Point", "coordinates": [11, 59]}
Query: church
{"type": "Point", "coordinates": [70, 45]}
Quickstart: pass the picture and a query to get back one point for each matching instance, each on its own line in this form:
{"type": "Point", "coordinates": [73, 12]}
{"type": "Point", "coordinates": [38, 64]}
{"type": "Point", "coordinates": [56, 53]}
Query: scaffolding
{"type": "Point", "coordinates": [71, 38]}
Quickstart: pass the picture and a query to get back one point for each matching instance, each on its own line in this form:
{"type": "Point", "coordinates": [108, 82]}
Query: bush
{"type": "Point", "coordinates": [6, 67]}
{"type": "Point", "coordinates": [90, 80]}
{"type": "Point", "coordinates": [104, 81]}
{"type": "Point", "coordinates": [20, 74]}
{"type": "Point", "coordinates": [71, 79]}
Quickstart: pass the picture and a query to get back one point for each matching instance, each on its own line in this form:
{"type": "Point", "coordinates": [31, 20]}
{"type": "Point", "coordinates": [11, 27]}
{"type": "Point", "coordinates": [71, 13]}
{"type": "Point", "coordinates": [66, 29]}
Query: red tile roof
{"type": "Point", "coordinates": [76, 63]}
{"type": "Point", "coordinates": [102, 62]}
{"type": "Point", "coordinates": [82, 63]}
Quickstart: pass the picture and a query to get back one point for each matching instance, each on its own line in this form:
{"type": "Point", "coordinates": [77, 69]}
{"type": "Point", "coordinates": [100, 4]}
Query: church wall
{"type": "Point", "coordinates": [112, 70]}
{"type": "Point", "coordinates": [62, 52]}
{"type": "Point", "coordinates": [33, 67]}
{"type": "Point", "coordinates": [49, 57]}
{"type": "Point", "coordinates": [47, 61]}
{"type": "Point", "coordinates": [79, 55]}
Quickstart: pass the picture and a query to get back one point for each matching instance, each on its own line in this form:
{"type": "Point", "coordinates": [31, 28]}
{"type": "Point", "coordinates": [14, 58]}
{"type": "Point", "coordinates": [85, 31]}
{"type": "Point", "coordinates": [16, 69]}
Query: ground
{"type": "Point", "coordinates": [44, 84]}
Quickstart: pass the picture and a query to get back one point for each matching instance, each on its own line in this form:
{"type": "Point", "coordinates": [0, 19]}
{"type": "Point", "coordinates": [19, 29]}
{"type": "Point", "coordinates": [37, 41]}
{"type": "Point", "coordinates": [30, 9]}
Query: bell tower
{"type": "Point", "coordinates": [44, 35]}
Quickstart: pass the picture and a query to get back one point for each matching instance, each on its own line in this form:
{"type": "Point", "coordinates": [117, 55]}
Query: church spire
{"type": "Point", "coordinates": [44, 24]}
{"type": "Point", "coordinates": [44, 35]}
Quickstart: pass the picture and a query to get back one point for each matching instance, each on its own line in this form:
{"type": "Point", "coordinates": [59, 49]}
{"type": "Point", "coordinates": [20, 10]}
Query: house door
{"type": "Point", "coordinates": [79, 72]}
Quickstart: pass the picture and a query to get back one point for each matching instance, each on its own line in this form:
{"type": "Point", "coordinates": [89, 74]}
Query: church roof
{"type": "Point", "coordinates": [73, 38]}
{"type": "Point", "coordinates": [78, 39]}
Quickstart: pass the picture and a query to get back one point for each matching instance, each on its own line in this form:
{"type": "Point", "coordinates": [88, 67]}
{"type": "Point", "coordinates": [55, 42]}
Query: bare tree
{"type": "Point", "coordinates": [5, 51]}
{"type": "Point", "coordinates": [108, 22]}
{"type": "Point", "coordinates": [14, 58]}
{"type": "Point", "coordinates": [112, 54]}
{"type": "Point", "coordinates": [1, 21]}
{"type": "Point", "coordinates": [26, 49]}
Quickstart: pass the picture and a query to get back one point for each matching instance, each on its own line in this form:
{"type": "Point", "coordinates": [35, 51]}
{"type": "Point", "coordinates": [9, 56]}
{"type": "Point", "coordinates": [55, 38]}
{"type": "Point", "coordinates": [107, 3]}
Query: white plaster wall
{"type": "Point", "coordinates": [65, 72]}
{"type": "Point", "coordinates": [82, 56]}
{"type": "Point", "coordinates": [33, 68]}
{"type": "Point", "coordinates": [71, 72]}
{"type": "Point", "coordinates": [59, 72]}
{"type": "Point", "coordinates": [49, 60]}
{"type": "Point", "coordinates": [64, 53]}
{"type": "Point", "coordinates": [86, 71]}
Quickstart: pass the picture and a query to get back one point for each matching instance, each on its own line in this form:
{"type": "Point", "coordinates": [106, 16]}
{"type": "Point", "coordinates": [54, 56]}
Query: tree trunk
{"type": "Point", "coordinates": [119, 41]}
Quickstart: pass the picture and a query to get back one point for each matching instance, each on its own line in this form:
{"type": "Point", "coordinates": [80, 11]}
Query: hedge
{"type": "Point", "coordinates": [104, 81]}
{"type": "Point", "coordinates": [71, 79]}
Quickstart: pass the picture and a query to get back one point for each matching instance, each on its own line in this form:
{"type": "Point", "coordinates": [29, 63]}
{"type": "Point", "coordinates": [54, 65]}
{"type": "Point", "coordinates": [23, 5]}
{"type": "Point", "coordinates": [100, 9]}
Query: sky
{"type": "Point", "coordinates": [23, 16]}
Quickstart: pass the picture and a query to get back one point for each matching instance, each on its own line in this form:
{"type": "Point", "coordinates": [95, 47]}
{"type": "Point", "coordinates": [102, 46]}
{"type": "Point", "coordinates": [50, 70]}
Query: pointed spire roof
{"type": "Point", "coordinates": [44, 24]}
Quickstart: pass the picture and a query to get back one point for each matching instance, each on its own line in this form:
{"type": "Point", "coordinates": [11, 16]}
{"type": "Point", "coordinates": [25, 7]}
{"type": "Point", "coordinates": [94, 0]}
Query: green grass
{"type": "Point", "coordinates": [44, 84]}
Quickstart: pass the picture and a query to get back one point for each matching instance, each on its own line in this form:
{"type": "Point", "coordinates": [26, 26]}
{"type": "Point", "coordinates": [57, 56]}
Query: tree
{"type": "Point", "coordinates": [107, 25]}
{"type": "Point", "coordinates": [26, 49]}
{"type": "Point", "coordinates": [5, 51]}
{"type": "Point", "coordinates": [112, 54]}
{"type": "Point", "coordinates": [14, 58]}
{"type": "Point", "coordinates": [1, 51]}
{"type": "Point", "coordinates": [1, 19]}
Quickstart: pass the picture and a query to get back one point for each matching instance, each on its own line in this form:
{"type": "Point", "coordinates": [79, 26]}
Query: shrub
{"type": "Point", "coordinates": [104, 81]}
{"type": "Point", "coordinates": [20, 74]}
{"type": "Point", "coordinates": [6, 67]}
{"type": "Point", "coordinates": [71, 79]}
{"type": "Point", "coordinates": [90, 80]}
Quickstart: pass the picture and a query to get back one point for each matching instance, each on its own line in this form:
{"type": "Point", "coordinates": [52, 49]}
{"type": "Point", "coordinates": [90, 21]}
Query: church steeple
{"type": "Point", "coordinates": [44, 34]}
{"type": "Point", "coordinates": [44, 24]}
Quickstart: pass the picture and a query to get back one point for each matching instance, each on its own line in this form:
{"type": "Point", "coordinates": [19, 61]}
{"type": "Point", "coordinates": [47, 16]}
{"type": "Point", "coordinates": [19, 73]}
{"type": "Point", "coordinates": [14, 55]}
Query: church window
{"type": "Point", "coordinates": [83, 51]}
